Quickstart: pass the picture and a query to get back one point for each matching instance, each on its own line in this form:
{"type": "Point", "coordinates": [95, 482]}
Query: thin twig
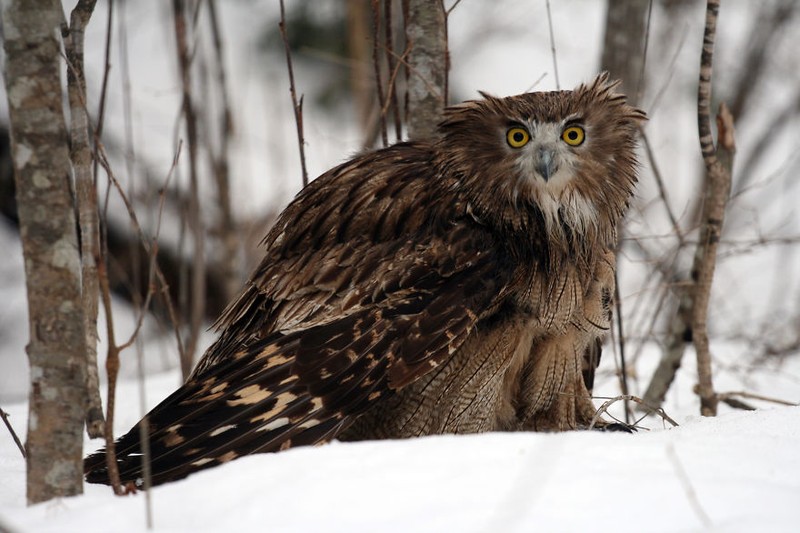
{"type": "Point", "coordinates": [640, 81]}
{"type": "Point", "coordinates": [297, 106]}
{"type": "Point", "coordinates": [112, 370]}
{"type": "Point", "coordinates": [410, 68]}
{"type": "Point", "coordinates": [392, 79]}
{"type": "Point", "coordinates": [376, 21]}
{"type": "Point", "coordinates": [391, 63]}
{"type": "Point", "coordinates": [752, 396]}
{"type": "Point", "coordinates": [451, 8]}
{"type": "Point", "coordinates": [7, 422]}
{"type": "Point", "coordinates": [164, 285]}
{"type": "Point", "coordinates": [623, 371]}
{"type": "Point", "coordinates": [628, 397]}
{"type": "Point", "coordinates": [153, 255]}
{"type": "Point", "coordinates": [670, 72]}
{"type": "Point", "coordinates": [552, 44]}
{"type": "Point", "coordinates": [662, 191]}
{"type": "Point", "coordinates": [101, 107]}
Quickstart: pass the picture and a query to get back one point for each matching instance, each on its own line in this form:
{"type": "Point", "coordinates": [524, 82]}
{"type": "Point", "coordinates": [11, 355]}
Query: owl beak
{"type": "Point", "coordinates": [545, 163]}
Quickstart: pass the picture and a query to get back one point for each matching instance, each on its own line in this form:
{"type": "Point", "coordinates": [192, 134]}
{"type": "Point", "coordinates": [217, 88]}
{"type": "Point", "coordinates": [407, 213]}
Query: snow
{"type": "Point", "coordinates": [737, 472]}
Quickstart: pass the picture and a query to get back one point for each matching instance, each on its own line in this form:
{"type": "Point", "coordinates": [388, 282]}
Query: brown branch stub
{"type": "Point", "coordinates": [725, 139]}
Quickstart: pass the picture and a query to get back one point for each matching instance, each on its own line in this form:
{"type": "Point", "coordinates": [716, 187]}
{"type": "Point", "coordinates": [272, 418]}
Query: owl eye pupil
{"type": "Point", "coordinates": [519, 136]}
{"type": "Point", "coordinates": [573, 135]}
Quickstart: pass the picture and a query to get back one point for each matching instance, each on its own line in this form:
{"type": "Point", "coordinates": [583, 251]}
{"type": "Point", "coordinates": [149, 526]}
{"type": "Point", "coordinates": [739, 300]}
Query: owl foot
{"type": "Point", "coordinates": [617, 427]}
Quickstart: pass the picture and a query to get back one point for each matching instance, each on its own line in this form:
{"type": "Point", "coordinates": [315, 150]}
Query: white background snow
{"type": "Point", "coordinates": [738, 472]}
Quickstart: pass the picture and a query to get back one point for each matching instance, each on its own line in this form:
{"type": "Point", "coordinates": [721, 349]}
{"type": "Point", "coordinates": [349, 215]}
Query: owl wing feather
{"type": "Point", "coordinates": [304, 350]}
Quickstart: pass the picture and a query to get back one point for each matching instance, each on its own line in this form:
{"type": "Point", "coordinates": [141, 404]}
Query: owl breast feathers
{"type": "Point", "coordinates": [455, 285]}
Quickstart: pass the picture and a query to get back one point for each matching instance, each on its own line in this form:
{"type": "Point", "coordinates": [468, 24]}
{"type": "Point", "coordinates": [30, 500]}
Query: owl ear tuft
{"type": "Point", "coordinates": [603, 83]}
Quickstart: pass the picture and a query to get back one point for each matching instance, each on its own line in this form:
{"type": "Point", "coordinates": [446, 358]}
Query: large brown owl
{"type": "Point", "coordinates": [456, 285]}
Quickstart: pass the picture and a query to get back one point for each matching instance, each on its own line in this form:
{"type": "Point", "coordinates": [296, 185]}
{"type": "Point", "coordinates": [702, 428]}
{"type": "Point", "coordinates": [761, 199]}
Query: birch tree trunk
{"type": "Point", "coordinates": [426, 32]}
{"type": "Point", "coordinates": [56, 350]}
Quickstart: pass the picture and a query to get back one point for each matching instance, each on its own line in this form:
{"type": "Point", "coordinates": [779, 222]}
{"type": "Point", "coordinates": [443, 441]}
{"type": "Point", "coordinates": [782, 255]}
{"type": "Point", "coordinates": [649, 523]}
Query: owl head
{"type": "Point", "coordinates": [563, 161]}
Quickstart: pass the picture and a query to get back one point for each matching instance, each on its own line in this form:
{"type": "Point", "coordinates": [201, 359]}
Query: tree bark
{"type": "Point", "coordinates": [426, 33]}
{"type": "Point", "coordinates": [57, 347]}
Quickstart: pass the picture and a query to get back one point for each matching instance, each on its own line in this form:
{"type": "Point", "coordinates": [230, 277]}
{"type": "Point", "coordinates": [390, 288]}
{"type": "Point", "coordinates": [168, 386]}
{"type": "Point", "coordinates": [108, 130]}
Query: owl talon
{"type": "Point", "coordinates": [617, 427]}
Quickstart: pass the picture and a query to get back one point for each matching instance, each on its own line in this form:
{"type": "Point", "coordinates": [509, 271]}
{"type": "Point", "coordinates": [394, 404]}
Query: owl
{"type": "Point", "coordinates": [455, 285]}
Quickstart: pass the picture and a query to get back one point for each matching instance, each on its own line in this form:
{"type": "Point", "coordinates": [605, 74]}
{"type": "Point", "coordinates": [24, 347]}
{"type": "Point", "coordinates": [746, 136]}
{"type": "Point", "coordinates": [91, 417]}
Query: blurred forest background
{"type": "Point", "coordinates": [205, 179]}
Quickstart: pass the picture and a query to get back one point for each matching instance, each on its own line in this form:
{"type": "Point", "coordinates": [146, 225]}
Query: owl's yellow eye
{"type": "Point", "coordinates": [517, 137]}
{"type": "Point", "coordinates": [574, 135]}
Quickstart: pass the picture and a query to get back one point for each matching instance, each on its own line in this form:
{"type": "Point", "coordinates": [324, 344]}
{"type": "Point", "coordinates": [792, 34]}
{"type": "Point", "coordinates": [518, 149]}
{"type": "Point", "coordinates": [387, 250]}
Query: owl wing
{"type": "Point", "coordinates": [304, 351]}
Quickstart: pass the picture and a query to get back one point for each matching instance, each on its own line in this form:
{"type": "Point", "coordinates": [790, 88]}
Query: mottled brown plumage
{"type": "Point", "coordinates": [451, 286]}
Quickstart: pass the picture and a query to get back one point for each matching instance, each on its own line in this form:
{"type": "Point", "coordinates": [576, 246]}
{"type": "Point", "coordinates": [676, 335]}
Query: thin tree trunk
{"type": "Point", "coordinates": [197, 300]}
{"type": "Point", "coordinates": [57, 347]}
{"type": "Point", "coordinates": [426, 33]}
{"type": "Point", "coordinates": [226, 225]}
{"type": "Point", "coordinates": [624, 45]}
{"type": "Point", "coordinates": [86, 197]}
{"type": "Point", "coordinates": [623, 57]}
{"type": "Point", "coordinates": [718, 161]}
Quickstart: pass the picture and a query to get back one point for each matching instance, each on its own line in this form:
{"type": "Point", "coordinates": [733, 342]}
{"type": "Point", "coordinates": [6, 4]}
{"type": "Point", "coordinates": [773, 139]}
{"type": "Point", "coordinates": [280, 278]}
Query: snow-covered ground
{"type": "Point", "coordinates": [738, 472]}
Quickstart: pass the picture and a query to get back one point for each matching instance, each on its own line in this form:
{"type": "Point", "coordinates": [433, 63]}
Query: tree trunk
{"type": "Point", "coordinates": [426, 33]}
{"type": "Point", "coordinates": [57, 346]}
{"type": "Point", "coordinates": [86, 199]}
{"type": "Point", "coordinates": [623, 47]}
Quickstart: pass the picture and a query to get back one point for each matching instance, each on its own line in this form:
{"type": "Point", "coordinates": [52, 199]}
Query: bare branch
{"type": "Point", "coordinates": [391, 63]}
{"type": "Point", "coordinates": [725, 396]}
{"type": "Point", "coordinates": [628, 397]}
{"type": "Point", "coordinates": [112, 371]}
{"type": "Point", "coordinates": [376, 23]}
{"type": "Point", "coordinates": [662, 191]}
{"type": "Point", "coordinates": [297, 106]}
{"type": "Point", "coordinates": [623, 371]}
{"type": "Point", "coordinates": [552, 44]}
{"type": "Point", "coordinates": [4, 416]}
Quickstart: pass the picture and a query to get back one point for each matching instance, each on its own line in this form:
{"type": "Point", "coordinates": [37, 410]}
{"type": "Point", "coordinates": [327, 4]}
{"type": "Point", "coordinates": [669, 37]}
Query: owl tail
{"type": "Point", "coordinates": [248, 405]}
